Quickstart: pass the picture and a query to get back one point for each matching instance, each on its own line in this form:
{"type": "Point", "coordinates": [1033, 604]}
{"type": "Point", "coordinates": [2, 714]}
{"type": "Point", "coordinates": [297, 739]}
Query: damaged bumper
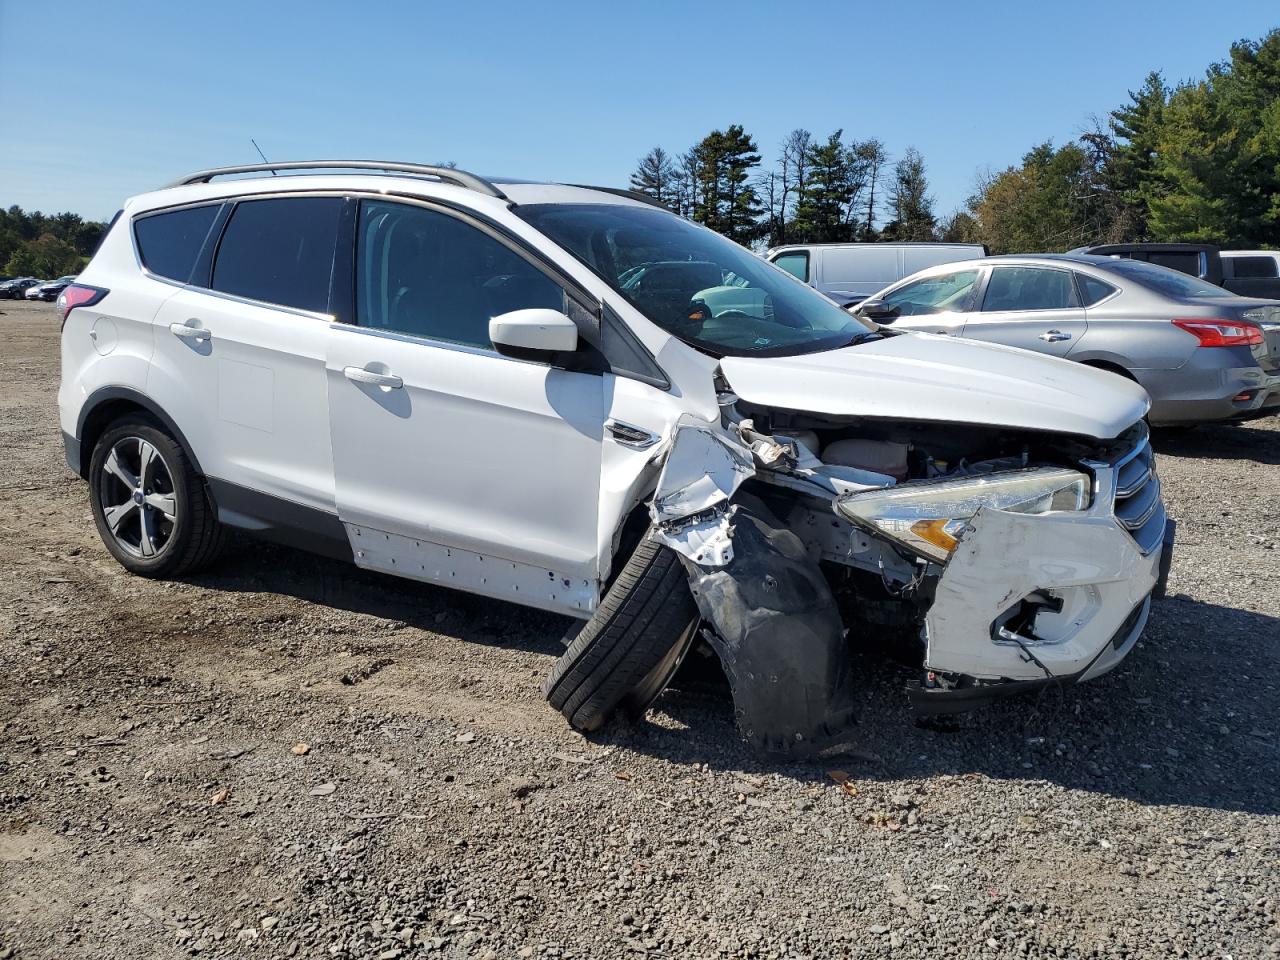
{"type": "Point", "coordinates": [1013, 602]}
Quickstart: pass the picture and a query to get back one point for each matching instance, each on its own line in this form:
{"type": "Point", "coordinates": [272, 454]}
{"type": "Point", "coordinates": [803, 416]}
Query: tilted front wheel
{"type": "Point", "coordinates": [149, 504]}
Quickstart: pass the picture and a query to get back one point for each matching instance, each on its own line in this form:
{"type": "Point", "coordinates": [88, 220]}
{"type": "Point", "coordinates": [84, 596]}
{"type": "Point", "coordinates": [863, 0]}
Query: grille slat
{"type": "Point", "coordinates": [1137, 505]}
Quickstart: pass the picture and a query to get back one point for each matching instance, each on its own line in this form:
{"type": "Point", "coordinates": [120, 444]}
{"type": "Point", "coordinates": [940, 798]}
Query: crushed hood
{"type": "Point", "coordinates": [929, 377]}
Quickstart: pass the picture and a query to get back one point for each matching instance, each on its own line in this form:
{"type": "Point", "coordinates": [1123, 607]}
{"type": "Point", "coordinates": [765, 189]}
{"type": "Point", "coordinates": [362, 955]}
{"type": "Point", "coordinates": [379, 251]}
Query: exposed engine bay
{"type": "Point", "coordinates": [991, 557]}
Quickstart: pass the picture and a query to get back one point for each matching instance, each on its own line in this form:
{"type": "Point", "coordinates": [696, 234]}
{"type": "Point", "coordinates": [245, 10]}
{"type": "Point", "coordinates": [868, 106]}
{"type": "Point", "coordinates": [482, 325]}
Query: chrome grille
{"type": "Point", "coordinates": [1137, 501]}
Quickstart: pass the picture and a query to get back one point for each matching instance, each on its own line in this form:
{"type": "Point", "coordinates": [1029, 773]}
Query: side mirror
{"type": "Point", "coordinates": [533, 334]}
{"type": "Point", "coordinates": [876, 310]}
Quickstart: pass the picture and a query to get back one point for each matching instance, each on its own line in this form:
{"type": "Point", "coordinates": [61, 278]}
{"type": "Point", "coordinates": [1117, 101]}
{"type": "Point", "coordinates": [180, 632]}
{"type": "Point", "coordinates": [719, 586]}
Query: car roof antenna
{"type": "Point", "coordinates": [261, 154]}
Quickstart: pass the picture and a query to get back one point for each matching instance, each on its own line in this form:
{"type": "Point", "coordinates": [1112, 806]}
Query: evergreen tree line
{"type": "Point", "coordinates": [1198, 161]}
{"type": "Point", "coordinates": [36, 245]}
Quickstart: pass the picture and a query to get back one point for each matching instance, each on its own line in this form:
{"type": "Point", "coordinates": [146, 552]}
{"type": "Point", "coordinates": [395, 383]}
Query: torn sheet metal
{"type": "Point", "coordinates": [703, 470]}
{"type": "Point", "coordinates": [779, 637]}
{"type": "Point", "coordinates": [690, 510]}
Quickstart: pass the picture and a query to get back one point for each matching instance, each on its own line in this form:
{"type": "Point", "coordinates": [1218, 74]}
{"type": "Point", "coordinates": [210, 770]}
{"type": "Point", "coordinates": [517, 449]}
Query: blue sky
{"type": "Point", "coordinates": [103, 100]}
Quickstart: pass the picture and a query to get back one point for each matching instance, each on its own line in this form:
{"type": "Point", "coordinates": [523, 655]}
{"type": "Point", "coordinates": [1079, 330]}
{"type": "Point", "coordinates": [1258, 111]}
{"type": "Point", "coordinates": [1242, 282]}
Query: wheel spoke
{"type": "Point", "coordinates": [147, 539]}
{"type": "Point", "coordinates": [118, 470]}
{"type": "Point", "coordinates": [117, 515]}
{"type": "Point", "coordinates": [147, 463]}
{"type": "Point", "coordinates": [165, 503]}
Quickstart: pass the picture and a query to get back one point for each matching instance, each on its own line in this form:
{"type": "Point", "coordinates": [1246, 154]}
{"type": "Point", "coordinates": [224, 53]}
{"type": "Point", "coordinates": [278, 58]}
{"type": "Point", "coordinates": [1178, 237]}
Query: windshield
{"type": "Point", "coordinates": [1166, 281]}
{"type": "Point", "coordinates": [695, 284]}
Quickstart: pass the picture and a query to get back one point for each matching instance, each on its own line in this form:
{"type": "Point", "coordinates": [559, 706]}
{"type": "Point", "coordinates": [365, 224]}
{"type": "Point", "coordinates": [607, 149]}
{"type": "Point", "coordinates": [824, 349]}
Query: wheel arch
{"type": "Point", "coordinates": [107, 404]}
{"type": "Point", "coordinates": [1110, 366]}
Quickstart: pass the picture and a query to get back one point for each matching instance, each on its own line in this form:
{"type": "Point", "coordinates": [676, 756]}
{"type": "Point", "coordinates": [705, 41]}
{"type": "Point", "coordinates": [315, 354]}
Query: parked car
{"type": "Point", "coordinates": [522, 390]}
{"type": "Point", "coordinates": [1201, 352]}
{"type": "Point", "coordinates": [49, 291]}
{"type": "Point", "coordinates": [14, 289]}
{"type": "Point", "coordinates": [33, 292]}
{"type": "Point", "coordinates": [850, 272]}
{"type": "Point", "coordinates": [1248, 273]}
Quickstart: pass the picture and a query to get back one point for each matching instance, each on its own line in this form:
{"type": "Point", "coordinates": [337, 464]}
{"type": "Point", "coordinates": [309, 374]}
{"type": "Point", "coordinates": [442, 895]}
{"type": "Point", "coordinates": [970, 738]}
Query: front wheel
{"type": "Point", "coordinates": [149, 504]}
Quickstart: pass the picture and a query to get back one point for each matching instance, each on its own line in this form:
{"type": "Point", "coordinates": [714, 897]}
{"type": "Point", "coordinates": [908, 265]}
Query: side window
{"type": "Point", "coordinates": [796, 264]}
{"type": "Point", "coordinates": [1028, 288]}
{"type": "Point", "coordinates": [429, 274]}
{"type": "Point", "coordinates": [280, 251]}
{"type": "Point", "coordinates": [168, 243]}
{"type": "Point", "coordinates": [1094, 290]}
{"type": "Point", "coordinates": [1252, 267]}
{"type": "Point", "coordinates": [947, 293]}
{"type": "Point", "coordinates": [1189, 263]}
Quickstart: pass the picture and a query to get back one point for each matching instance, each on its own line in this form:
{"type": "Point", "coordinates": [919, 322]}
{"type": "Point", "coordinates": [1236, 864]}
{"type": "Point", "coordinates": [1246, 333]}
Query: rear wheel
{"type": "Point", "coordinates": [627, 653]}
{"type": "Point", "coordinates": [149, 504]}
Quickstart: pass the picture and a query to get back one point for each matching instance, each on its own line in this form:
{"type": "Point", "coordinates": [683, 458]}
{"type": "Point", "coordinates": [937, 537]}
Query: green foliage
{"type": "Point", "coordinates": [655, 176]}
{"type": "Point", "coordinates": [45, 257]}
{"type": "Point", "coordinates": [33, 244]}
{"type": "Point", "coordinates": [725, 200]}
{"type": "Point", "coordinates": [913, 217]}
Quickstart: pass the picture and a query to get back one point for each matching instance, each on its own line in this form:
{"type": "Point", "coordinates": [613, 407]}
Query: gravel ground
{"type": "Point", "coordinates": [157, 799]}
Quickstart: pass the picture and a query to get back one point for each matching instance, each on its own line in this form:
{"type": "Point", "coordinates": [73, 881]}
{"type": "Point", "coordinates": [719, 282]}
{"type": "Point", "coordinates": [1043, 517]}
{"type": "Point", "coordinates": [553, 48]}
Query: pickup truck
{"type": "Point", "coordinates": [1249, 273]}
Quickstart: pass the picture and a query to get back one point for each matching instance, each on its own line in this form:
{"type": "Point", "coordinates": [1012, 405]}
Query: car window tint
{"type": "Point", "coordinates": [432, 275]}
{"type": "Point", "coordinates": [280, 251]}
{"type": "Point", "coordinates": [1027, 288]}
{"type": "Point", "coordinates": [796, 264]}
{"type": "Point", "coordinates": [1252, 267]}
{"type": "Point", "coordinates": [1094, 289]}
{"type": "Point", "coordinates": [168, 243]}
{"type": "Point", "coordinates": [947, 293]}
{"type": "Point", "coordinates": [1188, 263]}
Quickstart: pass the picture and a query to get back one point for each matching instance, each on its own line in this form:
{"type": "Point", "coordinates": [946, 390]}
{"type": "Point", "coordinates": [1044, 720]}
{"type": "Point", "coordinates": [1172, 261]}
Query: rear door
{"type": "Point", "coordinates": [1035, 308]}
{"type": "Point", "coordinates": [239, 352]}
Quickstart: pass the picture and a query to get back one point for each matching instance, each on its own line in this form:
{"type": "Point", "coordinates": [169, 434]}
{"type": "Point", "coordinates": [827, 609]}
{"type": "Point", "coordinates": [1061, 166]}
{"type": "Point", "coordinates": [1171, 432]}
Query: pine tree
{"type": "Point", "coordinates": [913, 217]}
{"type": "Point", "coordinates": [655, 177]}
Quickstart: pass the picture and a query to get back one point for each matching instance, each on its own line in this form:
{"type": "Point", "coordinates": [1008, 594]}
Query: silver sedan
{"type": "Point", "coordinates": [1201, 352]}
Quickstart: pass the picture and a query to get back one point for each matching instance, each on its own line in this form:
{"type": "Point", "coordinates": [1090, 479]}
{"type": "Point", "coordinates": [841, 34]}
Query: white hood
{"type": "Point", "coordinates": [928, 377]}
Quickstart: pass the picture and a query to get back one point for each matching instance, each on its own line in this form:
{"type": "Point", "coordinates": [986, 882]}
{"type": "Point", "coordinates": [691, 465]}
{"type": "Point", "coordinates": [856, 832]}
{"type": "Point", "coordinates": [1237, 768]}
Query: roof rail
{"type": "Point", "coordinates": [623, 192]}
{"type": "Point", "coordinates": [458, 178]}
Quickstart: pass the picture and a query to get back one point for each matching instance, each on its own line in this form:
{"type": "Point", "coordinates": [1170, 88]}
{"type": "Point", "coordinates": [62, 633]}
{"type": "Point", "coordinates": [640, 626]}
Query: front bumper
{"type": "Point", "coordinates": [1054, 598]}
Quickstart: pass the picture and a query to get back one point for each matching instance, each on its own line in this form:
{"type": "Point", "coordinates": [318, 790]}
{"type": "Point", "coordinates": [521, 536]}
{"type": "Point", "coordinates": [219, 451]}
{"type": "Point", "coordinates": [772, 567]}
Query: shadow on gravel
{"type": "Point", "coordinates": [1189, 718]}
{"type": "Point", "coordinates": [1219, 442]}
{"type": "Point", "coordinates": [257, 567]}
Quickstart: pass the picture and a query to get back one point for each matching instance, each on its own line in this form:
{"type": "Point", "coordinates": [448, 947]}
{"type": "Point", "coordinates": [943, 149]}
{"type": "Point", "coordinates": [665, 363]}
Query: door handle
{"type": "Point", "coordinates": [1054, 336]}
{"type": "Point", "coordinates": [189, 331]}
{"type": "Point", "coordinates": [372, 379]}
{"type": "Point", "coordinates": [629, 435]}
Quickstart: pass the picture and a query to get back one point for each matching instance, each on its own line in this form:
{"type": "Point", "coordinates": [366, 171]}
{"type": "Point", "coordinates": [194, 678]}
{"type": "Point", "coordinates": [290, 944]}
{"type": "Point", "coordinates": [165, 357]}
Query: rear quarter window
{"type": "Point", "coordinates": [169, 243]}
{"type": "Point", "coordinates": [1093, 290]}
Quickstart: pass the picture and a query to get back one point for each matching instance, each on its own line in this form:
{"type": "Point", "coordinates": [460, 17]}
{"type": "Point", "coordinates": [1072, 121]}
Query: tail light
{"type": "Point", "coordinates": [1222, 333]}
{"type": "Point", "coordinates": [77, 295]}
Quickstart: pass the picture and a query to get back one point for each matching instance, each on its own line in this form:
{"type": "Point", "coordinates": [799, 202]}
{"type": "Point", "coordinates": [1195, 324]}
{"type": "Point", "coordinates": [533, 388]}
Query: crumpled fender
{"type": "Point", "coordinates": [779, 637]}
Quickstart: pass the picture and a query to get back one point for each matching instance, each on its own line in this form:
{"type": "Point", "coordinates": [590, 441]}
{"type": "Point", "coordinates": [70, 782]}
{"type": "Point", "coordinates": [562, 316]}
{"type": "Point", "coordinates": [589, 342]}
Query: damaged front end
{"type": "Point", "coordinates": [997, 560]}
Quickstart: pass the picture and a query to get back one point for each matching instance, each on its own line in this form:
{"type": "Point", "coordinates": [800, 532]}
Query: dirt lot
{"type": "Point", "coordinates": [151, 804]}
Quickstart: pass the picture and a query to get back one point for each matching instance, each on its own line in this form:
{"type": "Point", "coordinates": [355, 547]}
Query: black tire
{"type": "Point", "coordinates": [628, 651]}
{"type": "Point", "coordinates": [177, 546]}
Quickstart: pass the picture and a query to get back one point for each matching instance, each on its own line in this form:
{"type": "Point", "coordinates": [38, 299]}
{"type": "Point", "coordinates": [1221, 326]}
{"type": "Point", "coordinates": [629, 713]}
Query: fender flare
{"type": "Point", "coordinates": [111, 393]}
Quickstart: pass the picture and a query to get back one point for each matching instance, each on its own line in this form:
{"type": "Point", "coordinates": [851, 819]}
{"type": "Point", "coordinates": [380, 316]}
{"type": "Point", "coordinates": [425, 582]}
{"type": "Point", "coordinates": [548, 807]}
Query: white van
{"type": "Point", "coordinates": [848, 273]}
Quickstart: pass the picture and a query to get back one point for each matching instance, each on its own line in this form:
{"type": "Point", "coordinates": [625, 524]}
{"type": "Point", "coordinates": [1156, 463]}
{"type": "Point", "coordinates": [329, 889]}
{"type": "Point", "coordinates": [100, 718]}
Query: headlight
{"type": "Point", "coordinates": [929, 517]}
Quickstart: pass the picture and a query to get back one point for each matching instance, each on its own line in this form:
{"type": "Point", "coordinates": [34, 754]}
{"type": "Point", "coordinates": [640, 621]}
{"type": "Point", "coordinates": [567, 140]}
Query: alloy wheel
{"type": "Point", "coordinates": [137, 498]}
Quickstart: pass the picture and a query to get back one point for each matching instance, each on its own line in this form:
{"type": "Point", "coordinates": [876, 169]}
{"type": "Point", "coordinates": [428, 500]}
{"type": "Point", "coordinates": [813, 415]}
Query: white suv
{"type": "Point", "coordinates": [568, 398]}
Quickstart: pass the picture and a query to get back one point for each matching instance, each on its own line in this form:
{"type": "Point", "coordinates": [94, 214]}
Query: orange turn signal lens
{"type": "Point", "coordinates": [935, 532]}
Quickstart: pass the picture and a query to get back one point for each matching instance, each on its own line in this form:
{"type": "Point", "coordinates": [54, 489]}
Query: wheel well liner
{"type": "Point", "coordinates": [109, 403]}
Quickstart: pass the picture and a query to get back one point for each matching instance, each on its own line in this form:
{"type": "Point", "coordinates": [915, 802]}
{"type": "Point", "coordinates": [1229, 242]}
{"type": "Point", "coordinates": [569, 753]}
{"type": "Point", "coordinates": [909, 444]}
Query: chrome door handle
{"type": "Point", "coordinates": [189, 331]}
{"type": "Point", "coordinates": [369, 377]}
{"type": "Point", "coordinates": [1054, 336]}
{"type": "Point", "coordinates": [629, 435]}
